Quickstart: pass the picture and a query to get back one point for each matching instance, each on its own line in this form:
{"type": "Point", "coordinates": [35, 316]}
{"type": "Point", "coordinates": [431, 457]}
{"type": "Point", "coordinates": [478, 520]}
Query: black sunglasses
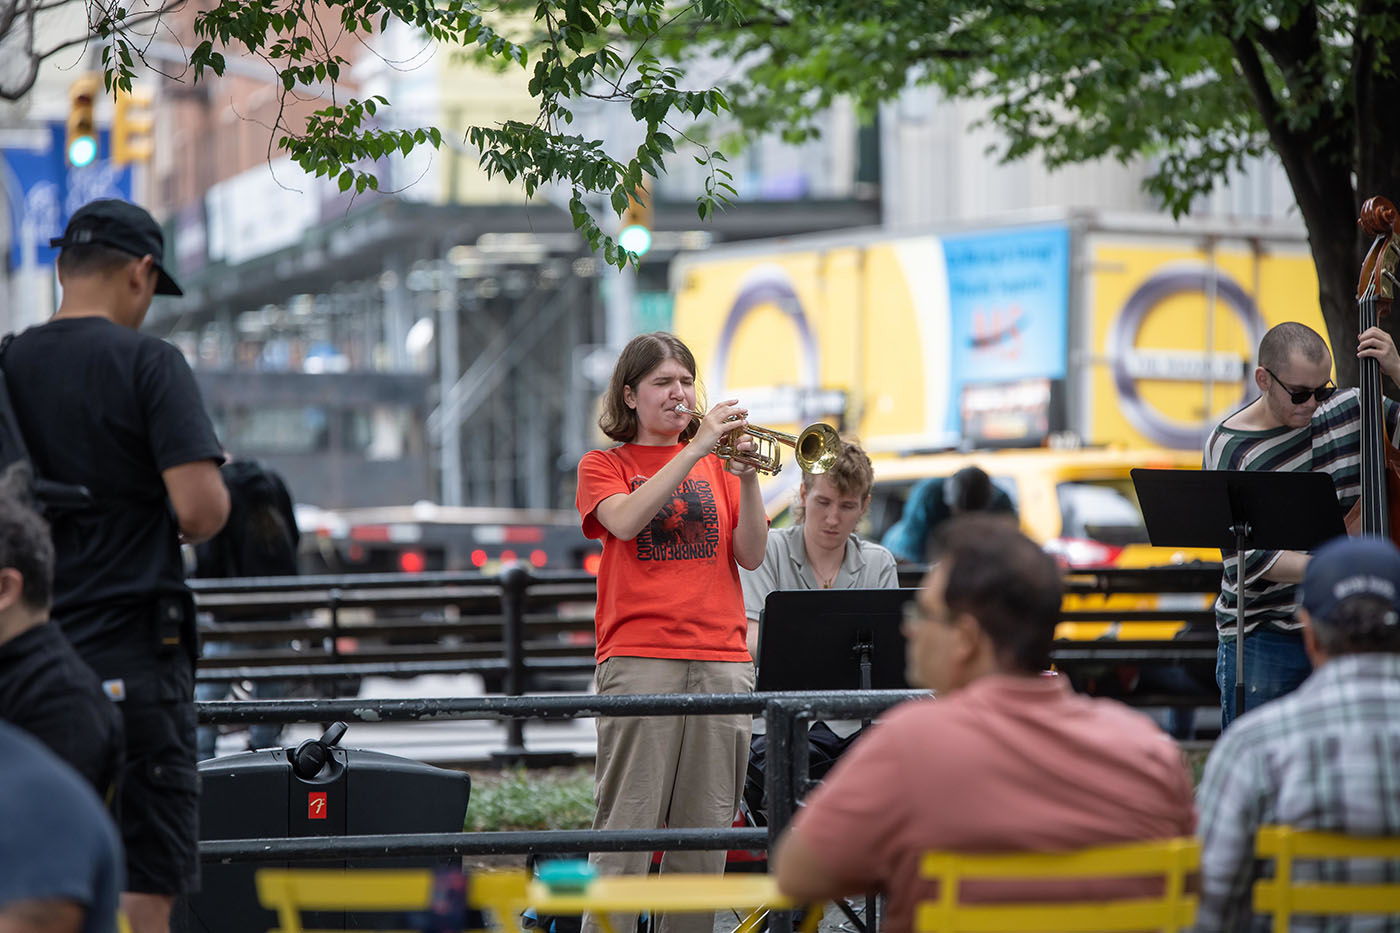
{"type": "Point", "coordinates": [1298, 396]}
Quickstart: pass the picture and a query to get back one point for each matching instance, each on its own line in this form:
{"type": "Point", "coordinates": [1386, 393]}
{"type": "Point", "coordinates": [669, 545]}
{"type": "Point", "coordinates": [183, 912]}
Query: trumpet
{"type": "Point", "coordinates": [815, 448]}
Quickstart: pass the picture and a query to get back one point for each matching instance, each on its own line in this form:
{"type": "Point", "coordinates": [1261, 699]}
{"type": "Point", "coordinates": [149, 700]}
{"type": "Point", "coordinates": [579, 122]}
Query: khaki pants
{"type": "Point", "coordinates": [673, 771]}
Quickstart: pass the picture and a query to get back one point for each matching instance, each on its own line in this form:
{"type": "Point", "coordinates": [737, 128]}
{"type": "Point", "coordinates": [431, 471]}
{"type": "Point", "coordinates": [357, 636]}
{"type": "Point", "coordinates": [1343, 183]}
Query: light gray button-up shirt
{"type": "Point", "coordinates": [785, 567]}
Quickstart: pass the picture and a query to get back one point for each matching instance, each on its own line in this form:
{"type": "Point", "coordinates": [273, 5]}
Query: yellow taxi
{"type": "Point", "coordinates": [1079, 504]}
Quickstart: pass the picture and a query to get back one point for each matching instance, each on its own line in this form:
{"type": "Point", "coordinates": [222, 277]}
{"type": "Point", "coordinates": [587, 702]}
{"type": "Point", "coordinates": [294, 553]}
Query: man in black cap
{"type": "Point", "coordinates": [1325, 757]}
{"type": "Point", "coordinates": [105, 407]}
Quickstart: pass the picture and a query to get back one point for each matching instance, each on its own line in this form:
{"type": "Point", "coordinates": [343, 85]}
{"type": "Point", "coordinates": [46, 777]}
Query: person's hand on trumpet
{"type": "Point", "coordinates": [721, 419]}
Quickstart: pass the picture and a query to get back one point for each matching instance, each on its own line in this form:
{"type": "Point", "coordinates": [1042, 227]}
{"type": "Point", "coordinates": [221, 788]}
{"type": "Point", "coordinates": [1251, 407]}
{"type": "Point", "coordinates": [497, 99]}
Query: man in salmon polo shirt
{"type": "Point", "coordinates": [1005, 759]}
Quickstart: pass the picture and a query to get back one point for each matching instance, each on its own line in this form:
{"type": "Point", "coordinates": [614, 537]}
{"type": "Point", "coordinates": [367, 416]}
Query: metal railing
{"type": "Point", "coordinates": [787, 716]}
{"type": "Point", "coordinates": [519, 624]}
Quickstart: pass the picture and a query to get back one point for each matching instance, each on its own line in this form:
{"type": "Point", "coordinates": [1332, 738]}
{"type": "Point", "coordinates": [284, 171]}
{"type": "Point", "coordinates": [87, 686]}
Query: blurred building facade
{"type": "Point", "coordinates": [475, 325]}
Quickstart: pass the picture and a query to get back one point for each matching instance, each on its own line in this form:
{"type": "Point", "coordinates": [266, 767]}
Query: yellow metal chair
{"type": "Point", "coordinates": [677, 893]}
{"type": "Point", "coordinates": [290, 891]}
{"type": "Point", "coordinates": [1282, 895]}
{"type": "Point", "coordinates": [506, 894]}
{"type": "Point", "coordinates": [1172, 860]}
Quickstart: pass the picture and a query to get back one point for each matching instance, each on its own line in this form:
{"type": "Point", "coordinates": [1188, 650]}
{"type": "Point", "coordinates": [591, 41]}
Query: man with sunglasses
{"type": "Point", "coordinates": [1300, 422]}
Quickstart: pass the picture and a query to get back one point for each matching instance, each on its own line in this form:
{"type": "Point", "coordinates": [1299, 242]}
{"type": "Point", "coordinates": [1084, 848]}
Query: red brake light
{"type": "Point", "coordinates": [591, 562]}
{"type": "Point", "coordinates": [507, 556]}
{"type": "Point", "coordinates": [412, 562]}
{"type": "Point", "coordinates": [1081, 552]}
{"type": "Point", "coordinates": [538, 557]}
{"type": "Point", "coordinates": [478, 558]}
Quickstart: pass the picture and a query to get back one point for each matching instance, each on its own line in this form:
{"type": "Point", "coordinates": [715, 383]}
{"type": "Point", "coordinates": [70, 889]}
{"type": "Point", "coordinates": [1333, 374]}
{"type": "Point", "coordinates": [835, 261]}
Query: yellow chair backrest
{"type": "Point", "coordinates": [290, 891]}
{"type": "Point", "coordinates": [1283, 895]}
{"type": "Point", "coordinates": [1172, 860]}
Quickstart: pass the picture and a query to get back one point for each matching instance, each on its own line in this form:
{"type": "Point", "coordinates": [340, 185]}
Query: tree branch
{"type": "Point", "coordinates": [27, 80]}
{"type": "Point", "coordinates": [8, 12]}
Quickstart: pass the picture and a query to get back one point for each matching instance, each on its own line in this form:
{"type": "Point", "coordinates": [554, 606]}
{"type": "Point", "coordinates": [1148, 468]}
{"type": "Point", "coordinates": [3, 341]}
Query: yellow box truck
{"type": "Point", "coordinates": [1133, 331]}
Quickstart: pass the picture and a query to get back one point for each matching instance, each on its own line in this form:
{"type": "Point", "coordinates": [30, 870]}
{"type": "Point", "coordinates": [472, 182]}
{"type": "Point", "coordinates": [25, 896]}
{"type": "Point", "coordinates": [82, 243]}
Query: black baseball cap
{"type": "Point", "coordinates": [124, 226]}
{"type": "Point", "coordinates": [1347, 567]}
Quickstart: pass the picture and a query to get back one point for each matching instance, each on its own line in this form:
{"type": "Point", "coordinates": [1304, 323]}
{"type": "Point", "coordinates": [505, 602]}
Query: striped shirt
{"type": "Point", "coordinates": [1327, 757]}
{"type": "Point", "coordinates": [1330, 443]}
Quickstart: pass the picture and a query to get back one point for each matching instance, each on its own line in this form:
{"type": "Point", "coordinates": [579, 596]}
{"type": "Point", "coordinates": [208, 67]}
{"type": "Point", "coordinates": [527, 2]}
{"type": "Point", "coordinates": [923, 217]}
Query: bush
{"type": "Point", "coordinates": [531, 800]}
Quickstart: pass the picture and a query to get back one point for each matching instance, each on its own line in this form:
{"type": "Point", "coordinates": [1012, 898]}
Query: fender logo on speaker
{"type": "Point", "coordinates": [316, 805]}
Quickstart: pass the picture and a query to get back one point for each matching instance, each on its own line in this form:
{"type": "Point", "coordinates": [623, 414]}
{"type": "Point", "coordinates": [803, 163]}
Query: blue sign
{"type": "Point", "coordinates": [43, 191]}
{"type": "Point", "coordinates": [1008, 303]}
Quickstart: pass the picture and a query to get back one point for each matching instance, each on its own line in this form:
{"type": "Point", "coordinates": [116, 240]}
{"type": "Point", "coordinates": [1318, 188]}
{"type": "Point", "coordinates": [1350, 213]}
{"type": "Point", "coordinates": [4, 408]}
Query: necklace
{"type": "Point", "coordinates": [826, 583]}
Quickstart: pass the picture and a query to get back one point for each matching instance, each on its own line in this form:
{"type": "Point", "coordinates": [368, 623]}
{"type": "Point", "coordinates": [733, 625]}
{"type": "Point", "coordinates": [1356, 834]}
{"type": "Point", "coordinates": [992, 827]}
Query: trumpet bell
{"type": "Point", "coordinates": [817, 448]}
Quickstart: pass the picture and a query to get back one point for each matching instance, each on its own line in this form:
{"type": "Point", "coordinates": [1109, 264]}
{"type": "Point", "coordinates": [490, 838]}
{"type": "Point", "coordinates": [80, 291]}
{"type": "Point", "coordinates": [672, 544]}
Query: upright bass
{"type": "Point", "coordinates": [1380, 461]}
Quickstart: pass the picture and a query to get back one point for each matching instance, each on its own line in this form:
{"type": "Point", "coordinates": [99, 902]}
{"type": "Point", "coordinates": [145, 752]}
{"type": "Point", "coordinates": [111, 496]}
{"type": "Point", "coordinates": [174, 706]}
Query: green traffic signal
{"type": "Point", "coordinates": [635, 238]}
{"type": "Point", "coordinates": [80, 137]}
{"type": "Point", "coordinates": [81, 151]}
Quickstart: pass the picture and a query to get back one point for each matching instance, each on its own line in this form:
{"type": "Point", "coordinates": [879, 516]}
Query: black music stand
{"type": "Point", "coordinates": [1239, 509]}
{"type": "Point", "coordinates": [832, 640]}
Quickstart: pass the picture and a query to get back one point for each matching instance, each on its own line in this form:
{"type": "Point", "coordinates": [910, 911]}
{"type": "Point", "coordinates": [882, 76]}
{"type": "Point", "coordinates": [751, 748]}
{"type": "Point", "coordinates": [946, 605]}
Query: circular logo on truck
{"type": "Point", "coordinates": [1133, 364]}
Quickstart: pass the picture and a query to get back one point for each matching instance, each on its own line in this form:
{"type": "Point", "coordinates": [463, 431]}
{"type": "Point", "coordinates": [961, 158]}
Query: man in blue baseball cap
{"type": "Point", "coordinates": [1325, 756]}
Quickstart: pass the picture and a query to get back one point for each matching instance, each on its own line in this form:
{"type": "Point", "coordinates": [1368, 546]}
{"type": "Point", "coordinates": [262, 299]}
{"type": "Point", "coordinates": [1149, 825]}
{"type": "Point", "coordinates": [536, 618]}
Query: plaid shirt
{"type": "Point", "coordinates": [1325, 757]}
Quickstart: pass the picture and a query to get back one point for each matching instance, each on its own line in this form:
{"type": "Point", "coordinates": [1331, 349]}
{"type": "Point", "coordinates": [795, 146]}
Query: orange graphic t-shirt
{"type": "Point", "coordinates": [673, 591]}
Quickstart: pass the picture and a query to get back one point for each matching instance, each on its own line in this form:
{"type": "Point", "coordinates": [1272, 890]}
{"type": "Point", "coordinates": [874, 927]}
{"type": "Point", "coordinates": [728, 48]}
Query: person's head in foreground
{"type": "Point", "coordinates": [990, 605]}
{"type": "Point", "coordinates": [1349, 601]}
{"type": "Point", "coordinates": [26, 557]}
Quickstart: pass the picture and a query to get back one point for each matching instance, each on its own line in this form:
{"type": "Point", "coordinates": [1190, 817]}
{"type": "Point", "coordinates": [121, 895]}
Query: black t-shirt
{"type": "Point", "coordinates": [108, 408]}
{"type": "Point", "coordinates": [46, 690]}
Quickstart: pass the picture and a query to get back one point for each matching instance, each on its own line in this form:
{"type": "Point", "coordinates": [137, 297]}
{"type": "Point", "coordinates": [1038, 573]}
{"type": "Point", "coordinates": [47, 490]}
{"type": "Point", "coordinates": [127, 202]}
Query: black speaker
{"type": "Point", "coordinates": [318, 789]}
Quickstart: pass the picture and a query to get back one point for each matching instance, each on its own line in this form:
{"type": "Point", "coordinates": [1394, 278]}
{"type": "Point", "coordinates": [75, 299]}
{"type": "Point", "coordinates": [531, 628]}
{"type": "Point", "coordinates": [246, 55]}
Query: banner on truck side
{"type": "Point", "coordinates": [894, 331]}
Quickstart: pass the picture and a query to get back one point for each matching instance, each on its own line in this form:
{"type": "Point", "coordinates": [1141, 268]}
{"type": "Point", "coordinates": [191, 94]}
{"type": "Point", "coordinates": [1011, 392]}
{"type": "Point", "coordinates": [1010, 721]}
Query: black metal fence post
{"type": "Point", "coordinates": [786, 732]}
{"type": "Point", "coordinates": [333, 603]}
{"type": "Point", "coordinates": [515, 581]}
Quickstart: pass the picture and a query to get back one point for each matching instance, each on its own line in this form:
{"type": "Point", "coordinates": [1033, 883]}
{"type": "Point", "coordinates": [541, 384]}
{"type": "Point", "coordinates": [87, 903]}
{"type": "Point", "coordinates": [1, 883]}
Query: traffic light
{"type": "Point", "coordinates": [635, 233]}
{"type": "Point", "coordinates": [132, 126]}
{"type": "Point", "coordinates": [81, 139]}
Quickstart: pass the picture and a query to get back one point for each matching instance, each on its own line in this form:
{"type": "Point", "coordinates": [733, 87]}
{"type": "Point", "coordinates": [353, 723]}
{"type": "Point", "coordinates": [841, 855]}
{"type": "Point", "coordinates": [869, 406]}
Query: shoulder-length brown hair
{"type": "Point", "coordinates": [642, 354]}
